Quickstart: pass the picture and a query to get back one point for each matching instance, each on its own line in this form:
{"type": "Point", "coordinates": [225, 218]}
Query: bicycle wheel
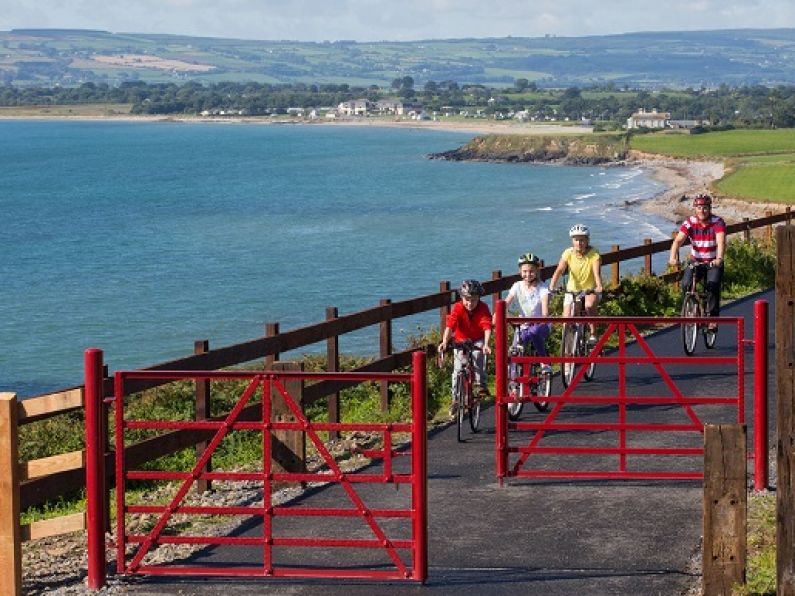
{"type": "Point", "coordinates": [710, 337]}
{"type": "Point", "coordinates": [543, 389]}
{"type": "Point", "coordinates": [584, 351]}
{"type": "Point", "coordinates": [474, 414]}
{"type": "Point", "coordinates": [460, 398]}
{"type": "Point", "coordinates": [568, 347]}
{"type": "Point", "coordinates": [515, 389]}
{"type": "Point", "coordinates": [690, 308]}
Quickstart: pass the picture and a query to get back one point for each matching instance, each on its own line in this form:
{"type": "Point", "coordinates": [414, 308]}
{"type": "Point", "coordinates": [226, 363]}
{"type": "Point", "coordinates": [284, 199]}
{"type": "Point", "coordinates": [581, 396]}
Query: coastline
{"type": "Point", "coordinates": [680, 176]}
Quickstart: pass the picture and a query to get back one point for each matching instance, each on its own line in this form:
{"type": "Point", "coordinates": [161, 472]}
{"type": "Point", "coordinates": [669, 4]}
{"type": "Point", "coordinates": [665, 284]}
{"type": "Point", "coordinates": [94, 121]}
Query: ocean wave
{"type": "Point", "coordinates": [585, 196]}
{"type": "Point", "coordinates": [543, 209]}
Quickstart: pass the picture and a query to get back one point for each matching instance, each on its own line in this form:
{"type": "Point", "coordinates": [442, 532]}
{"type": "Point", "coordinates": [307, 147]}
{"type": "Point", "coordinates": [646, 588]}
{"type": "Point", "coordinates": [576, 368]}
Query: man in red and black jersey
{"type": "Point", "coordinates": [707, 233]}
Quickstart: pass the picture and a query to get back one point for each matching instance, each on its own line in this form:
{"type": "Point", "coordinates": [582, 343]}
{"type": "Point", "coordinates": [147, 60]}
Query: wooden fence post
{"type": "Point", "coordinates": [785, 411]}
{"type": "Point", "coordinates": [614, 269]}
{"type": "Point", "coordinates": [333, 365]}
{"type": "Point", "coordinates": [769, 228]}
{"type": "Point", "coordinates": [497, 296]}
{"type": "Point", "coordinates": [202, 412]}
{"type": "Point", "coordinates": [10, 534]}
{"type": "Point", "coordinates": [746, 230]}
{"type": "Point", "coordinates": [385, 344]}
{"type": "Point", "coordinates": [288, 447]}
{"type": "Point", "coordinates": [788, 211]}
{"type": "Point", "coordinates": [271, 330]}
{"type": "Point", "coordinates": [725, 508]}
{"type": "Point", "coordinates": [444, 310]}
{"type": "Point", "coordinates": [647, 257]}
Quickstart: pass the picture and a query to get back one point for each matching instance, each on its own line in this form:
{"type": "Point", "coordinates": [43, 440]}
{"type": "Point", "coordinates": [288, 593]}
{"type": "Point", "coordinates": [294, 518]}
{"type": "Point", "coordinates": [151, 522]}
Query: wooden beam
{"type": "Point", "coordinates": [46, 466]}
{"type": "Point", "coordinates": [56, 526]}
{"type": "Point", "coordinates": [10, 541]}
{"type": "Point", "coordinates": [785, 410]}
{"type": "Point", "coordinates": [725, 508]}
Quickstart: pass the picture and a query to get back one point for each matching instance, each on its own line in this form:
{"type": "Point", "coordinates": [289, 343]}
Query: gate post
{"type": "Point", "coordinates": [95, 469]}
{"type": "Point", "coordinates": [10, 539]}
{"type": "Point", "coordinates": [725, 506]}
{"type": "Point", "coordinates": [419, 466]}
{"type": "Point", "coordinates": [760, 395]}
{"type": "Point", "coordinates": [385, 341]}
{"type": "Point", "coordinates": [500, 408]}
{"type": "Point", "coordinates": [785, 410]}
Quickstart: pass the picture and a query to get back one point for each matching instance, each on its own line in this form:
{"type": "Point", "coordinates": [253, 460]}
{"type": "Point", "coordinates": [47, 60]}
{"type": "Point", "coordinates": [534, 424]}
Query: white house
{"type": "Point", "coordinates": [644, 119]}
{"type": "Point", "coordinates": [358, 107]}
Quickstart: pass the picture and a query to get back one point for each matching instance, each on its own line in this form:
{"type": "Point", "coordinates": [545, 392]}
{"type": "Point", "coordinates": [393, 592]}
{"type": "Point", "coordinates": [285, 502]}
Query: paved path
{"type": "Point", "coordinates": [531, 536]}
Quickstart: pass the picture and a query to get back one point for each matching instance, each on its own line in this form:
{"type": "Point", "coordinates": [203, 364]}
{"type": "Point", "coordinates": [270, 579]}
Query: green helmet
{"type": "Point", "coordinates": [529, 258]}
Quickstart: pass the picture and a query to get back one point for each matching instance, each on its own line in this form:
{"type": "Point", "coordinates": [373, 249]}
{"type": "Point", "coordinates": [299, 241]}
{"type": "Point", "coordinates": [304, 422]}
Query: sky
{"type": "Point", "coordinates": [391, 20]}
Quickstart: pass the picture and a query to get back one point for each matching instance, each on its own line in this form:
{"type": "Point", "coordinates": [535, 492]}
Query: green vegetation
{"type": "Point", "coordinates": [761, 541]}
{"type": "Point", "coordinates": [679, 59]}
{"type": "Point", "coordinates": [761, 162]}
{"type": "Point", "coordinates": [729, 143]}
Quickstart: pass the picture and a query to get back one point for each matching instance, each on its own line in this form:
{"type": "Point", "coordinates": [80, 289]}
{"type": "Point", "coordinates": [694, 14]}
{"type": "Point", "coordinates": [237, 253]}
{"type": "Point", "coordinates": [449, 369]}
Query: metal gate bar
{"type": "Point", "coordinates": [272, 385]}
{"type": "Point", "coordinates": [622, 328]}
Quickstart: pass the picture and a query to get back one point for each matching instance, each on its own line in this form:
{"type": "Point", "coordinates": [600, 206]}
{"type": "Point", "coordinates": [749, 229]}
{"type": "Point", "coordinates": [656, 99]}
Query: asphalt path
{"type": "Point", "coordinates": [528, 536]}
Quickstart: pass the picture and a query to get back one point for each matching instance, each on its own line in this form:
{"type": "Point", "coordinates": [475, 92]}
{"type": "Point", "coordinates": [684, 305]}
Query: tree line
{"type": "Point", "coordinates": [754, 106]}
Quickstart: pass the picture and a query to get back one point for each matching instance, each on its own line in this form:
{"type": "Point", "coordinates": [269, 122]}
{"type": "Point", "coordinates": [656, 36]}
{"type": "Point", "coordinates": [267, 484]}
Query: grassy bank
{"type": "Point", "coordinates": [761, 163]}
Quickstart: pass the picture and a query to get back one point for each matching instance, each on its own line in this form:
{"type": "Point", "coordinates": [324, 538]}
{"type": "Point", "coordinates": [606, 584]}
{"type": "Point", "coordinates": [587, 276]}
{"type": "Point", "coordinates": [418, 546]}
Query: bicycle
{"type": "Point", "coordinates": [694, 304]}
{"type": "Point", "coordinates": [537, 383]}
{"type": "Point", "coordinates": [467, 403]}
{"type": "Point", "coordinates": [574, 341]}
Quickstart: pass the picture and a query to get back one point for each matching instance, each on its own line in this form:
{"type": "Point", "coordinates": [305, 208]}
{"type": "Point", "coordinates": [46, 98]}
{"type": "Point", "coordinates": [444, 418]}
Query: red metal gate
{"type": "Point", "coordinates": [562, 443]}
{"type": "Point", "coordinates": [392, 539]}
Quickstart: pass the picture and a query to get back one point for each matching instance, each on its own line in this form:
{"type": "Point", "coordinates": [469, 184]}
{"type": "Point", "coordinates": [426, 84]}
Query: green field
{"type": "Point", "coordinates": [761, 162]}
{"type": "Point", "coordinates": [730, 143]}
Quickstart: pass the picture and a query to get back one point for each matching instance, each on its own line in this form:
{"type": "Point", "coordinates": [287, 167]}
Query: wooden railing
{"type": "Point", "coordinates": [32, 483]}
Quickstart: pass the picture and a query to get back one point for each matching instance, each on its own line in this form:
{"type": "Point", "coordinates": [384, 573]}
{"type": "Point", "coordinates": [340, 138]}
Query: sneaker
{"type": "Point", "coordinates": [712, 328]}
{"type": "Point", "coordinates": [592, 341]}
{"type": "Point", "coordinates": [546, 369]}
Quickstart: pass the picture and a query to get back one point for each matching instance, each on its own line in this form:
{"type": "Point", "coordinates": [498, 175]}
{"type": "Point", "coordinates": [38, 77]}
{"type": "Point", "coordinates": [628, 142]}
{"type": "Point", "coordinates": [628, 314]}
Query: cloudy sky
{"type": "Point", "coordinates": [401, 20]}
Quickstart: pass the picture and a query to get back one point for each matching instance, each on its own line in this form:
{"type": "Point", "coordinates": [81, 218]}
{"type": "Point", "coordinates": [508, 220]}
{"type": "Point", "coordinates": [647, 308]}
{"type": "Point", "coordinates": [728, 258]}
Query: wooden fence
{"type": "Point", "coordinates": [36, 482]}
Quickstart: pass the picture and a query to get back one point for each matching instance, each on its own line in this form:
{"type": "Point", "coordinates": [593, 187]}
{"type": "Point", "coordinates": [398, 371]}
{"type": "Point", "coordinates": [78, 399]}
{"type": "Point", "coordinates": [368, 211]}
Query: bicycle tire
{"type": "Point", "coordinates": [690, 308]}
{"type": "Point", "coordinates": [584, 352]}
{"type": "Point", "coordinates": [568, 346]}
{"type": "Point", "coordinates": [710, 337]}
{"type": "Point", "coordinates": [515, 388]}
{"type": "Point", "coordinates": [474, 415]}
{"type": "Point", "coordinates": [543, 389]}
{"type": "Point", "coordinates": [460, 388]}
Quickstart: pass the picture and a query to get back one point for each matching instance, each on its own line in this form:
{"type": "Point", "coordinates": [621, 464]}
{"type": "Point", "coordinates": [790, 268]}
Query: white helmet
{"type": "Point", "coordinates": [579, 230]}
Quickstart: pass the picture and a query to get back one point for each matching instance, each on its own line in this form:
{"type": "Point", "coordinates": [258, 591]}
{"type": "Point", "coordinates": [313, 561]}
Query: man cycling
{"type": "Point", "coordinates": [584, 264]}
{"type": "Point", "coordinates": [707, 233]}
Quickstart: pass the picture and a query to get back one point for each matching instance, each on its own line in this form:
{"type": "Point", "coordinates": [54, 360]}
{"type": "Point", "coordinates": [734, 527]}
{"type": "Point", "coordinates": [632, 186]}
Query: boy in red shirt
{"type": "Point", "coordinates": [469, 319]}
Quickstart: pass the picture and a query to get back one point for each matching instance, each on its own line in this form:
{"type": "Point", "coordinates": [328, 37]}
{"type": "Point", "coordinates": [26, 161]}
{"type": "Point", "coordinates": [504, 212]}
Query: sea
{"type": "Point", "coordinates": [139, 238]}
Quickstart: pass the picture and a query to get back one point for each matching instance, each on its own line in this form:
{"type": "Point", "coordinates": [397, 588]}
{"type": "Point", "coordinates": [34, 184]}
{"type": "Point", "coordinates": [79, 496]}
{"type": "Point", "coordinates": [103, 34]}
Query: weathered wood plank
{"type": "Point", "coordinates": [725, 508]}
{"type": "Point", "coordinates": [785, 410]}
{"type": "Point", "coordinates": [56, 526]}
{"type": "Point", "coordinates": [45, 466]}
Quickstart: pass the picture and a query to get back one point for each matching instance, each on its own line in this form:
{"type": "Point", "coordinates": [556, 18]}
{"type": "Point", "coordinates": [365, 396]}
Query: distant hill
{"type": "Point", "coordinates": [659, 59]}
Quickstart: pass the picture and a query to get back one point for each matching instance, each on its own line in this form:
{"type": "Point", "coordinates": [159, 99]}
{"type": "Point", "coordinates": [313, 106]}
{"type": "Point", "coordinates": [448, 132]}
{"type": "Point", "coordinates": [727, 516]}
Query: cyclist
{"type": "Point", "coordinates": [584, 264]}
{"type": "Point", "coordinates": [707, 233]}
{"type": "Point", "coordinates": [532, 294]}
{"type": "Point", "coordinates": [469, 319]}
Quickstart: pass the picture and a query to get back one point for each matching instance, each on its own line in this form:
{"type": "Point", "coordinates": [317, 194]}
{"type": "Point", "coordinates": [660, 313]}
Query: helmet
{"type": "Point", "coordinates": [528, 258]}
{"type": "Point", "coordinates": [702, 199]}
{"type": "Point", "coordinates": [470, 287]}
{"type": "Point", "coordinates": [579, 230]}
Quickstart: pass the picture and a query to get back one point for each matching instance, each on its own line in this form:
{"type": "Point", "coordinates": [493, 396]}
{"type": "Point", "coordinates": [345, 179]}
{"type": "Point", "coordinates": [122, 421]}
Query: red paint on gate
{"type": "Point", "coordinates": [407, 554]}
{"type": "Point", "coordinates": [624, 329]}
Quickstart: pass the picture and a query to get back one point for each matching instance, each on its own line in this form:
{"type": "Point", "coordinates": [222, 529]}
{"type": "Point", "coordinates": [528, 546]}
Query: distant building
{"type": "Point", "coordinates": [359, 107]}
{"type": "Point", "coordinates": [389, 106]}
{"type": "Point", "coordinates": [644, 119]}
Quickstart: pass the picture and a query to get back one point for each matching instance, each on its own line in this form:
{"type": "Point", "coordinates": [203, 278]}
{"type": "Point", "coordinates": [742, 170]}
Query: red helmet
{"type": "Point", "coordinates": [702, 199]}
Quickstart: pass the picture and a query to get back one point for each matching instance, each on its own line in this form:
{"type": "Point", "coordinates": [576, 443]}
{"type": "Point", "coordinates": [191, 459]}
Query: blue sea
{"type": "Point", "coordinates": [139, 238]}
